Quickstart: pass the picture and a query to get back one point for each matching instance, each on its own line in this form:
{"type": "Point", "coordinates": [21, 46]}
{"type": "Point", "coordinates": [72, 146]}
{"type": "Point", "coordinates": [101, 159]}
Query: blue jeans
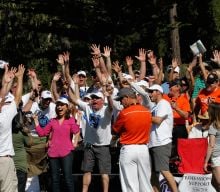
{"type": "Point", "coordinates": [64, 163]}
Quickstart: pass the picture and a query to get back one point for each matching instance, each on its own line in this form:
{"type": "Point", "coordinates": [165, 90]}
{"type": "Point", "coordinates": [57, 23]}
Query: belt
{"type": "Point", "coordinates": [6, 156]}
{"type": "Point", "coordinates": [100, 146]}
{"type": "Point", "coordinates": [136, 144]}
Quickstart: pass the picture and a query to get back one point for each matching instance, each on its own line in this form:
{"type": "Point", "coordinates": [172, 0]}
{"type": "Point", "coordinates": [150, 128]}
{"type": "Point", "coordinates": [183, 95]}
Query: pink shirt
{"type": "Point", "coordinates": [60, 143]}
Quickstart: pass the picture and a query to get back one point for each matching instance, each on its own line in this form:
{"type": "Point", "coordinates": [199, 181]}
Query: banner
{"type": "Point", "coordinates": [189, 183]}
{"type": "Point", "coordinates": [196, 183]}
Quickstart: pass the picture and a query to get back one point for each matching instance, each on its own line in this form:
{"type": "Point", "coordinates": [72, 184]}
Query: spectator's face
{"type": "Point", "coordinates": [97, 103]}
{"type": "Point", "coordinates": [82, 80]}
{"type": "Point", "coordinates": [211, 87]}
{"type": "Point", "coordinates": [61, 109]}
{"type": "Point", "coordinates": [45, 102]}
{"type": "Point", "coordinates": [174, 90]}
{"type": "Point", "coordinates": [153, 95]}
{"type": "Point", "coordinates": [14, 88]}
{"type": "Point", "coordinates": [176, 75]}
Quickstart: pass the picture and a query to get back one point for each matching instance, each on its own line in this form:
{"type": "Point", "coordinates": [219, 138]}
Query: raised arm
{"type": "Point", "coordinates": [190, 71]}
{"type": "Point", "coordinates": [107, 54]}
{"type": "Point", "coordinates": [202, 67]}
{"type": "Point", "coordinates": [216, 57]}
{"type": "Point", "coordinates": [97, 52]}
{"type": "Point", "coordinates": [142, 60]}
{"type": "Point", "coordinates": [175, 64]}
{"type": "Point", "coordinates": [160, 77]}
{"type": "Point", "coordinates": [19, 75]}
{"type": "Point", "coordinates": [129, 61]}
{"type": "Point", "coordinates": [53, 88]}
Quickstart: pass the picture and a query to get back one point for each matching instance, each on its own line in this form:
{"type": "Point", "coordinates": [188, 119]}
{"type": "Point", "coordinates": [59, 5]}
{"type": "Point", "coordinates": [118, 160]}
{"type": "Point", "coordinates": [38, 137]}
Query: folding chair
{"type": "Point", "coordinates": [192, 153]}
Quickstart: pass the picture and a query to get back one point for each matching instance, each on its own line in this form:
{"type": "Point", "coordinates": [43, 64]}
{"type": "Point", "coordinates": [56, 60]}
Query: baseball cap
{"type": "Point", "coordinates": [81, 73]}
{"type": "Point", "coordinates": [63, 100]}
{"type": "Point", "coordinates": [46, 94]}
{"type": "Point", "coordinates": [127, 76]}
{"type": "Point", "coordinates": [169, 68]}
{"type": "Point", "coordinates": [212, 78]}
{"type": "Point", "coordinates": [124, 92]}
{"type": "Point", "coordinates": [156, 87]}
{"type": "Point", "coordinates": [97, 94]}
{"type": "Point", "coordinates": [142, 83]}
{"type": "Point", "coordinates": [173, 83]}
{"type": "Point", "coordinates": [87, 96]}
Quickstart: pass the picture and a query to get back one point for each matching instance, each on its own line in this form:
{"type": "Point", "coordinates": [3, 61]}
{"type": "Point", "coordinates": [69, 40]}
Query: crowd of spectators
{"type": "Point", "coordinates": [143, 115]}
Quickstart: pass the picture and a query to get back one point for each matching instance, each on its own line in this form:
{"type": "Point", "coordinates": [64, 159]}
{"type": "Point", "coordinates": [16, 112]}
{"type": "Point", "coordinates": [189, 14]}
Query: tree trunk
{"type": "Point", "coordinates": [175, 43]}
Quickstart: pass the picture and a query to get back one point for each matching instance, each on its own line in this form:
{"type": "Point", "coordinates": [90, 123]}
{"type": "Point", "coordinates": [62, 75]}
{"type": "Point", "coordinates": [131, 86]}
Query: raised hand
{"type": "Point", "coordinates": [20, 71]}
{"type": "Point", "coordinates": [66, 57]}
{"type": "Point", "coordinates": [129, 61]}
{"type": "Point", "coordinates": [142, 55]}
{"type": "Point", "coordinates": [57, 76]}
{"type": "Point", "coordinates": [60, 59]}
{"type": "Point", "coordinates": [116, 67]}
{"type": "Point", "coordinates": [95, 61]}
{"type": "Point", "coordinates": [107, 51]}
{"type": "Point", "coordinates": [96, 50]}
{"type": "Point", "coordinates": [9, 75]}
{"type": "Point", "coordinates": [216, 57]}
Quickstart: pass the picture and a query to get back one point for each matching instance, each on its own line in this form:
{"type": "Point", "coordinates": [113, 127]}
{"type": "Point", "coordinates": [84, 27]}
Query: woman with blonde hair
{"type": "Point", "coordinates": [213, 150]}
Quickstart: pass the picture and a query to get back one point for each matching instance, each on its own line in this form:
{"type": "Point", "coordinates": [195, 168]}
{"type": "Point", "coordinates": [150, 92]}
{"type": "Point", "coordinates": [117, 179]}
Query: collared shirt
{"type": "Point", "coordinates": [60, 143]}
{"type": "Point", "coordinates": [133, 125]}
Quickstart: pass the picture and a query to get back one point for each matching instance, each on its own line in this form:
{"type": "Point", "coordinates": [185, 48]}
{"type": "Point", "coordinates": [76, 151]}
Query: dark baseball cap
{"type": "Point", "coordinates": [125, 92]}
{"type": "Point", "coordinates": [212, 78]}
{"type": "Point", "coordinates": [174, 82]}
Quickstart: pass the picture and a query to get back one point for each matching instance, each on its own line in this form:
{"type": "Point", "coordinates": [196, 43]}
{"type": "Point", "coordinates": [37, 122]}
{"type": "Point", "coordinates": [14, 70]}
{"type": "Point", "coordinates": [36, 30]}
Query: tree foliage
{"type": "Point", "coordinates": [34, 32]}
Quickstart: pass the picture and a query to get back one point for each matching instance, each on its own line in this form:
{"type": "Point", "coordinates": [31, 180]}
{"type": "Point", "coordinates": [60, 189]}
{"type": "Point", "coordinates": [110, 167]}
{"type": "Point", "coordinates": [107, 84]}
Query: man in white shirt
{"type": "Point", "coordinates": [97, 137]}
{"type": "Point", "coordinates": [161, 135]}
{"type": "Point", "coordinates": [8, 109]}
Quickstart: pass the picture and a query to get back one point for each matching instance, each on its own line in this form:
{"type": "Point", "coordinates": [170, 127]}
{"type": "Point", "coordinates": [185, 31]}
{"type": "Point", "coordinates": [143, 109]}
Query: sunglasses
{"type": "Point", "coordinates": [95, 97]}
{"type": "Point", "coordinates": [151, 91]}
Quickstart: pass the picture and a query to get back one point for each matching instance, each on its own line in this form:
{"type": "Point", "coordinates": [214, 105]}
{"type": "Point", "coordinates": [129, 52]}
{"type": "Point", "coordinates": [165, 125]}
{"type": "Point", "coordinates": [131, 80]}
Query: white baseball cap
{"type": "Point", "coordinates": [143, 83]}
{"type": "Point", "coordinates": [63, 100]}
{"type": "Point", "coordinates": [97, 94]}
{"type": "Point", "coordinates": [156, 87]}
{"type": "Point", "coordinates": [127, 76]}
{"type": "Point", "coordinates": [81, 73]}
{"type": "Point", "coordinates": [46, 94]}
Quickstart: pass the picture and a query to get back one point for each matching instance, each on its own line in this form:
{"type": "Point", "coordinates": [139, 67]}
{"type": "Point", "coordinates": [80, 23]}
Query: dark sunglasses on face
{"type": "Point", "coordinates": [151, 91]}
{"type": "Point", "coordinates": [94, 97]}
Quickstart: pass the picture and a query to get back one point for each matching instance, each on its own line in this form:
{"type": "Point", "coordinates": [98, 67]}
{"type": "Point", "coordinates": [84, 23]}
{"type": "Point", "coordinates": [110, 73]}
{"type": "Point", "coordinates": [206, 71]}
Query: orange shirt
{"type": "Point", "coordinates": [133, 125]}
{"type": "Point", "coordinates": [183, 104]}
{"type": "Point", "coordinates": [204, 96]}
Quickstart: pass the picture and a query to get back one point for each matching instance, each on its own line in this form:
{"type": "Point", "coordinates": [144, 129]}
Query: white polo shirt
{"type": "Point", "coordinates": [6, 116]}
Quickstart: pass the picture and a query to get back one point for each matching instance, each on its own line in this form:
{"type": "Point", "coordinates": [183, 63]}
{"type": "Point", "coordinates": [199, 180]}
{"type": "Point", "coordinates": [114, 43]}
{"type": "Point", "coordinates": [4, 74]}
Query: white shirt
{"type": "Point", "coordinates": [6, 116]}
{"type": "Point", "coordinates": [162, 134]}
{"type": "Point", "coordinates": [101, 134]}
{"type": "Point", "coordinates": [48, 112]}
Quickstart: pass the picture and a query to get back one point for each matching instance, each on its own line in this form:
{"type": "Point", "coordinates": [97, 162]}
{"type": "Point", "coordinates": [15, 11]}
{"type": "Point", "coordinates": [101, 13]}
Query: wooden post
{"type": "Point", "coordinates": [175, 43]}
